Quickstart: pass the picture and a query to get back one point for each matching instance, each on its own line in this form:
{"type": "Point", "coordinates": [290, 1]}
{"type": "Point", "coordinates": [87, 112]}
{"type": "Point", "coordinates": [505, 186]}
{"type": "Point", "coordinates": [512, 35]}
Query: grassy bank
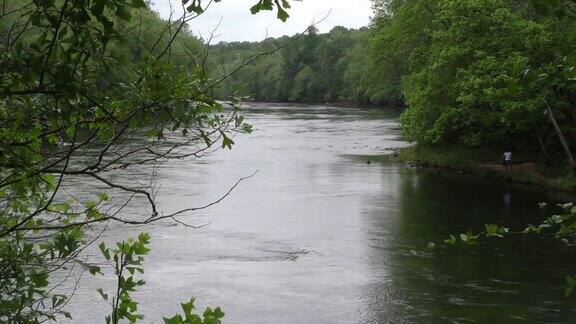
{"type": "Point", "coordinates": [485, 162]}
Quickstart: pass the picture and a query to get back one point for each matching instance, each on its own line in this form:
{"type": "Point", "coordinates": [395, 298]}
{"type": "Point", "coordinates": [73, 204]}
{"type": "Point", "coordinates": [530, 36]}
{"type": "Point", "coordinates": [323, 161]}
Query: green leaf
{"type": "Point", "coordinates": [188, 308]}
{"type": "Point", "coordinates": [101, 292]}
{"type": "Point", "coordinates": [226, 141]}
{"type": "Point", "coordinates": [256, 8]}
{"type": "Point", "coordinates": [218, 313]}
{"type": "Point", "coordinates": [282, 14]}
{"type": "Point", "coordinates": [105, 251]}
{"type": "Point", "coordinates": [451, 240]}
{"type": "Point", "coordinates": [138, 4]}
{"type": "Point", "coordinates": [58, 300]}
{"type": "Point", "coordinates": [123, 13]}
{"type": "Point", "coordinates": [97, 8]}
{"type": "Point", "coordinates": [144, 238]}
{"type": "Point", "coordinates": [103, 196]}
{"type": "Point", "coordinates": [95, 270]}
{"type": "Point", "coordinates": [195, 7]}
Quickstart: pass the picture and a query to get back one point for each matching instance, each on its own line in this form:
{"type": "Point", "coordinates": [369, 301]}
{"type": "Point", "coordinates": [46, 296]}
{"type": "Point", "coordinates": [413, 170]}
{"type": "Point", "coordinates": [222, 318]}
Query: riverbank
{"type": "Point", "coordinates": [396, 108]}
{"type": "Point", "coordinates": [485, 163]}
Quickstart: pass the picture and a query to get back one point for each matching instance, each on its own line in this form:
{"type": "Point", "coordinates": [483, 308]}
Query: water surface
{"type": "Point", "coordinates": [318, 235]}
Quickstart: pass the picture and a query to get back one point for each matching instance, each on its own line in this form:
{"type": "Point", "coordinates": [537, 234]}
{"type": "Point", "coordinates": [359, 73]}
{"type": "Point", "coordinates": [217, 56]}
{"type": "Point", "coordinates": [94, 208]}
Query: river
{"type": "Point", "coordinates": [318, 235]}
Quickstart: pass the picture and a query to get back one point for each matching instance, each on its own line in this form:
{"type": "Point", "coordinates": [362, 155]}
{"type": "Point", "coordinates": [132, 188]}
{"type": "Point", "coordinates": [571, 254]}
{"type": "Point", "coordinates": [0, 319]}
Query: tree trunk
{"type": "Point", "coordinates": [543, 148]}
{"type": "Point", "coordinates": [560, 135]}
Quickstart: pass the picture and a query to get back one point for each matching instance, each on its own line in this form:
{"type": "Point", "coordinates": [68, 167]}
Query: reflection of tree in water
{"type": "Point", "coordinates": [500, 280]}
{"type": "Point", "coordinates": [507, 201]}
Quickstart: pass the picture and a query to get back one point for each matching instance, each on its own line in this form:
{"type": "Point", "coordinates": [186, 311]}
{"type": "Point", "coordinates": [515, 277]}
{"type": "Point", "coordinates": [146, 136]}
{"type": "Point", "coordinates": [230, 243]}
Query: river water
{"type": "Point", "coordinates": [318, 235]}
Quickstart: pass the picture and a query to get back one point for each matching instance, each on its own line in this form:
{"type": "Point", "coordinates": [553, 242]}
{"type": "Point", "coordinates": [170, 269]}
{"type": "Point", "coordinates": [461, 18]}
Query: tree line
{"type": "Point", "coordinates": [308, 68]}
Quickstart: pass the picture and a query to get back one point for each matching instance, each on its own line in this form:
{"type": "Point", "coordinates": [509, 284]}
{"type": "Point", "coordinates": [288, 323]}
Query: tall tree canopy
{"type": "Point", "coordinates": [479, 72]}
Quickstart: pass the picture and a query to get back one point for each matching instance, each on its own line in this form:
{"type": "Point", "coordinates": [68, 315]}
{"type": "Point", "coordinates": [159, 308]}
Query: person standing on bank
{"type": "Point", "coordinates": [507, 160]}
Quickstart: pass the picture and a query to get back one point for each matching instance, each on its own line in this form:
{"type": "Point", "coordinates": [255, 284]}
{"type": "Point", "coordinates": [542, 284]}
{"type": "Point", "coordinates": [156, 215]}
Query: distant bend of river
{"type": "Point", "coordinates": [320, 236]}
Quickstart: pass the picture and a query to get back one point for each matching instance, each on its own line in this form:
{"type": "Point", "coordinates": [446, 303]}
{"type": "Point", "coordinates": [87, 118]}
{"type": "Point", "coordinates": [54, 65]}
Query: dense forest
{"type": "Point", "coordinates": [480, 72]}
{"type": "Point", "coordinates": [311, 67]}
{"type": "Point", "coordinates": [333, 67]}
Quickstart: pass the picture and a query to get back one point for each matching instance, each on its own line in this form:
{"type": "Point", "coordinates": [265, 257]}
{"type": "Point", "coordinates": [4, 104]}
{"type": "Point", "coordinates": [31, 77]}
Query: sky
{"type": "Point", "coordinates": [237, 24]}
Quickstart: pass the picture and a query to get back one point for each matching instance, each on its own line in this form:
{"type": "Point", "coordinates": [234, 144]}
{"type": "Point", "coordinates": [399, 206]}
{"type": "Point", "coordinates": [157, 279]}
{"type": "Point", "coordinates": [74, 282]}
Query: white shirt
{"type": "Point", "coordinates": [507, 156]}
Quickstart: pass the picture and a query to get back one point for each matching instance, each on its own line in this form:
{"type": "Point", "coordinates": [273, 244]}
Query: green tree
{"type": "Point", "coordinates": [399, 30]}
{"type": "Point", "coordinates": [478, 73]}
{"type": "Point", "coordinates": [467, 80]}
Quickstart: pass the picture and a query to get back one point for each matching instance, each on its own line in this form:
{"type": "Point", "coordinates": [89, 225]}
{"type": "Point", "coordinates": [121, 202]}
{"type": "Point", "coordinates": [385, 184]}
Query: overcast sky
{"type": "Point", "coordinates": [239, 25]}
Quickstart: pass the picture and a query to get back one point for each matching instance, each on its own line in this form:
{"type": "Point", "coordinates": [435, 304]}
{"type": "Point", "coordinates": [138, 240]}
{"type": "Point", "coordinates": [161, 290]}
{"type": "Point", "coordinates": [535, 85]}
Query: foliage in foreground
{"type": "Point", "coordinates": [90, 92]}
{"type": "Point", "coordinates": [127, 260]}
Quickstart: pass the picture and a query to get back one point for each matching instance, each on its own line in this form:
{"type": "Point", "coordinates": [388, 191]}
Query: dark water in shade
{"type": "Point", "coordinates": [320, 236]}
